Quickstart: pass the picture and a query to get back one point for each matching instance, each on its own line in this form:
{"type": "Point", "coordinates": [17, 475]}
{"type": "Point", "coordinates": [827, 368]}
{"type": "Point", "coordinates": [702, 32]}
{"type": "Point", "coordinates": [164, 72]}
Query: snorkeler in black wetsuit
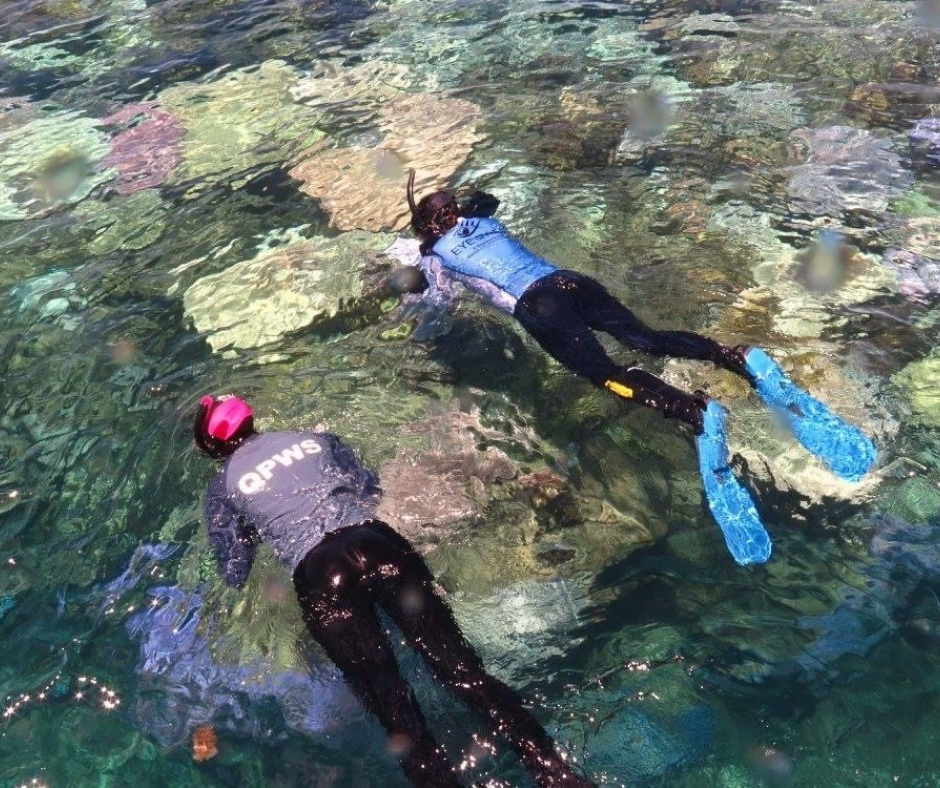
{"type": "Point", "coordinates": [562, 310]}
{"type": "Point", "coordinates": [307, 495]}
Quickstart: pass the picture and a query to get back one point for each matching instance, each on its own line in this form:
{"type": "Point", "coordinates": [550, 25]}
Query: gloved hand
{"type": "Point", "coordinates": [479, 205]}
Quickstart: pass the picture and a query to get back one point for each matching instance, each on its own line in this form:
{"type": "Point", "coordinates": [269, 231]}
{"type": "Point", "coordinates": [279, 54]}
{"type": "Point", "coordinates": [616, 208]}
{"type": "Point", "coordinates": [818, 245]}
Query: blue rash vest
{"type": "Point", "coordinates": [483, 249]}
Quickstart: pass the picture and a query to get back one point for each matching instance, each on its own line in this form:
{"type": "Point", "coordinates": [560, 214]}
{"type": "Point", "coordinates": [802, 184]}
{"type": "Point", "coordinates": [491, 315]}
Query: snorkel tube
{"type": "Point", "coordinates": [410, 191]}
{"type": "Point", "coordinates": [432, 216]}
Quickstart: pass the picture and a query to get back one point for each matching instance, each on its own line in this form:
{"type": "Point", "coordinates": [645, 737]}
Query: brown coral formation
{"type": "Point", "coordinates": [205, 743]}
{"type": "Point", "coordinates": [355, 88]}
{"type": "Point", "coordinates": [892, 104]}
{"type": "Point", "coordinates": [362, 188]}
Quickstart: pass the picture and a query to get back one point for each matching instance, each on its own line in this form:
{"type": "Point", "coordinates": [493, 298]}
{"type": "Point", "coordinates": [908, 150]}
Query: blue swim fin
{"type": "Point", "coordinates": [843, 447]}
{"type": "Point", "coordinates": [730, 503]}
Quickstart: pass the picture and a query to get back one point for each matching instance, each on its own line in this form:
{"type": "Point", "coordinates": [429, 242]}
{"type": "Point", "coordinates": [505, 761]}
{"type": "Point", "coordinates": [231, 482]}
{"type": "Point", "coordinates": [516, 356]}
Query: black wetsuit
{"type": "Point", "coordinates": [309, 497]}
{"type": "Point", "coordinates": [561, 310]}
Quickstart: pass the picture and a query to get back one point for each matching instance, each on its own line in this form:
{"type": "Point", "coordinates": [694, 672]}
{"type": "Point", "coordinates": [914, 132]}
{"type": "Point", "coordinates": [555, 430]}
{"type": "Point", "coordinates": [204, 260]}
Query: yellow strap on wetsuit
{"type": "Point", "coordinates": [619, 389]}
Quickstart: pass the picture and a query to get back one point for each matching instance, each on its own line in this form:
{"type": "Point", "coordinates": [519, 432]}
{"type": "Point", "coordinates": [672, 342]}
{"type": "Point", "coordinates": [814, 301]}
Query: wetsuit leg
{"type": "Point", "coordinates": [553, 312]}
{"type": "Point", "coordinates": [338, 608]}
{"type": "Point", "coordinates": [603, 312]}
{"type": "Point", "coordinates": [429, 625]}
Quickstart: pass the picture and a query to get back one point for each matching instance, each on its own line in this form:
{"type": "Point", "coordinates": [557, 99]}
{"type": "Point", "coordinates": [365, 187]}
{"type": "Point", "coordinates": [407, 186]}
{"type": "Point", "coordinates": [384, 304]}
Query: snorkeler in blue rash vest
{"type": "Point", "coordinates": [308, 496]}
{"type": "Point", "coordinates": [562, 310]}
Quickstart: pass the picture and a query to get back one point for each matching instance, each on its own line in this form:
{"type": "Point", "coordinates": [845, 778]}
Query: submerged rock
{"type": "Point", "coordinates": [802, 293]}
{"type": "Point", "coordinates": [920, 382]}
{"type": "Point", "coordinates": [51, 296]}
{"type": "Point", "coordinates": [258, 301]}
{"type": "Point", "coordinates": [925, 142]}
{"type": "Point", "coordinates": [521, 189]}
{"type": "Point", "coordinates": [427, 490]}
{"type": "Point", "coordinates": [761, 110]}
{"type": "Point", "coordinates": [846, 169]}
{"type": "Point", "coordinates": [145, 151]}
{"type": "Point", "coordinates": [363, 87]}
{"type": "Point", "coordinates": [892, 104]}
{"type": "Point", "coordinates": [858, 624]}
{"type": "Point", "coordinates": [182, 686]}
{"type": "Point", "coordinates": [629, 748]}
{"type": "Point", "coordinates": [436, 61]}
{"type": "Point", "coordinates": [522, 624]}
{"type": "Point", "coordinates": [918, 276]}
{"type": "Point", "coordinates": [363, 187]}
{"type": "Point", "coordinates": [907, 556]}
{"type": "Point", "coordinates": [915, 548]}
{"type": "Point", "coordinates": [583, 128]}
{"type": "Point", "coordinates": [123, 223]}
{"type": "Point", "coordinates": [844, 613]}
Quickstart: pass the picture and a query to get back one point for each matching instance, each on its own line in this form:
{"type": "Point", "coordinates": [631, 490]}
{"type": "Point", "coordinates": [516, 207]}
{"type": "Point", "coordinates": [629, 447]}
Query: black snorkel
{"type": "Point", "coordinates": [411, 202]}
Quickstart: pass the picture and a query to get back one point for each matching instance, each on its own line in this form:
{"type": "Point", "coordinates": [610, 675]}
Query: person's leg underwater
{"type": "Point", "coordinates": [842, 447]}
{"type": "Point", "coordinates": [553, 311]}
{"type": "Point", "coordinates": [339, 610]}
{"type": "Point", "coordinates": [406, 591]}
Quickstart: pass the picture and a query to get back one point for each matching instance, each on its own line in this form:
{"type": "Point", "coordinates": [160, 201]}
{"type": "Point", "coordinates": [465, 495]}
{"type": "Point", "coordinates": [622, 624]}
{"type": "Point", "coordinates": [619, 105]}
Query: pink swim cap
{"type": "Point", "coordinates": [225, 416]}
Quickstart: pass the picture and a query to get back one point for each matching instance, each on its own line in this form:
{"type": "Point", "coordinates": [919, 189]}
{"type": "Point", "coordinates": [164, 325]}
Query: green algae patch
{"type": "Point", "coordinates": [920, 381]}
{"type": "Point", "coordinates": [127, 223]}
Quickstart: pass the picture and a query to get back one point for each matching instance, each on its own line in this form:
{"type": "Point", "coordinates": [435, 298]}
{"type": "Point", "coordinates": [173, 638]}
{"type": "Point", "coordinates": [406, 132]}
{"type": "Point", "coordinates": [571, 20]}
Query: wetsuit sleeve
{"type": "Point", "coordinates": [233, 541]}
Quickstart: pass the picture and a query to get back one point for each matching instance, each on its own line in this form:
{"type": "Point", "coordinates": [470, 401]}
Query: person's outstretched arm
{"type": "Point", "coordinates": [479, 205]}
{"type": "Point", "coordinates": [233, 541]}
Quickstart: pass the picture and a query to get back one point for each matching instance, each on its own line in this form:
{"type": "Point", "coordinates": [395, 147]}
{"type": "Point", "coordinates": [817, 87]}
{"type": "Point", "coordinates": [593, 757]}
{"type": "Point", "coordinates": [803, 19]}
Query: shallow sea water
{"type": "Point", "coordinates": [195, 196]}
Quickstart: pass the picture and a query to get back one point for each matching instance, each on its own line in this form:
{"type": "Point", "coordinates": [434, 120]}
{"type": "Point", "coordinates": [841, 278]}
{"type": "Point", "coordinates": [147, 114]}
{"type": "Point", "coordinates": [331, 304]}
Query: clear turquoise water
{"type": "Point", "coordinates": [689, 155]}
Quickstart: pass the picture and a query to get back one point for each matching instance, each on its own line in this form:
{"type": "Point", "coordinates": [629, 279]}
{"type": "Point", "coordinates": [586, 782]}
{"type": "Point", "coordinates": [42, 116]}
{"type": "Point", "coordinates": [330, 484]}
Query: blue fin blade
{"type": "Point", "coordinates": [844, 448]}
{"type": "Point", "coordinates": [730, 503]}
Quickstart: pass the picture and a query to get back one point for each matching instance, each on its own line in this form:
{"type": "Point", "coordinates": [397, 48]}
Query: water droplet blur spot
{"type": "Point", "coordinates": [650, 114]}
{"type": "Point", "coordinates": [276, 591]}
{"type": "Point", "coordinates": [773, 767]}
{"type": "Point", "coordinates": [928, 13]}
{"type": "Point", "coordinates": [62, 173]}
{"type": "Point", "coordinates": [398, 744]}
{"type": "Point", "coordinates": [411, 602]}
{"type": "Point", "coordinates": [825, 262]}
{"type": "Point", "coordinates": [123, 351]}
{"type": "Point", "coordinates": [389, 165]}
